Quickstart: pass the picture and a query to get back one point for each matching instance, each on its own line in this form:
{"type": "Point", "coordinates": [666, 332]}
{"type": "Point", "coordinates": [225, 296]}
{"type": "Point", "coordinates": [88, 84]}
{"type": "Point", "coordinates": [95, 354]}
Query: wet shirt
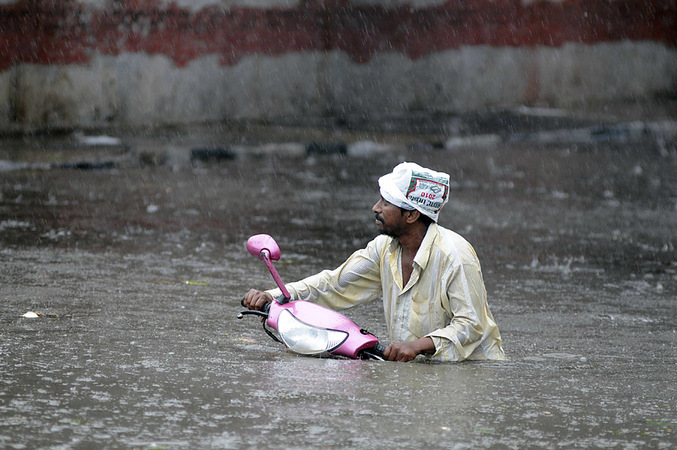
{"type": "Point", "coordinates": [444, 299]}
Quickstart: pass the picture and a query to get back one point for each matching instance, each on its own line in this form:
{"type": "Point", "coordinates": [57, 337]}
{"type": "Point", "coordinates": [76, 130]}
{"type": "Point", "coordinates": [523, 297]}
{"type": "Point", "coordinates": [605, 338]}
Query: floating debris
{"type": "Point", "coordinates": [368, 148]}
{"type": "Point", "coordinates": [86, 165]}
{"type": "Point", "coordinates": [35, 315]}
{"type": "Point", "coordinates": [216, 154]}
{"type": "Point", "coordinates": [480, 141]}
{"type": "Point", "coordinates": [102, 140]}
{"type": "Point", "coordinates": [327, 148]}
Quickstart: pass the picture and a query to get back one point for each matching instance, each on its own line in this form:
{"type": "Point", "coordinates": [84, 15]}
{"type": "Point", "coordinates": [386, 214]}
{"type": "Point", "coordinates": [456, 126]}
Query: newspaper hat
{"type": "Point", "coordinates": [411, 186]}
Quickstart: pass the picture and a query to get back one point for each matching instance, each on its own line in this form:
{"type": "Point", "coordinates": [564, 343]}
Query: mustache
{"type": "Point", "coordinates": [379, 218]}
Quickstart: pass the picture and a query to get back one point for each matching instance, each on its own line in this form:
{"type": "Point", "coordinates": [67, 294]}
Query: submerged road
{"type": "Point", "coordinates": [136, 271]}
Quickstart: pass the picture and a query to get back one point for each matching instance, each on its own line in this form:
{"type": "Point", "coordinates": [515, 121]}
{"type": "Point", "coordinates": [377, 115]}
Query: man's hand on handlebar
{"type": "Point", "coordinates": [406, 351]}
{"type": "Point", "coordinates": [255, 299]}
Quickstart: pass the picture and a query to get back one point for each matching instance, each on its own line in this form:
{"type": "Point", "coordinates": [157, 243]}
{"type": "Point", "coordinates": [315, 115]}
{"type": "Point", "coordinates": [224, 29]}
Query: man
{"type": "Point", "coordinates": [429, 277]}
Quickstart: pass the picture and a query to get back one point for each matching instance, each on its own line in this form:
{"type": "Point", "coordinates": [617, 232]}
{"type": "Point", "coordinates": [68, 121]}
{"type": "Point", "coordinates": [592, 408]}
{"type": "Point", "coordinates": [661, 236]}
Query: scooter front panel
{"type": "Point", "coordinates": [319, 316]}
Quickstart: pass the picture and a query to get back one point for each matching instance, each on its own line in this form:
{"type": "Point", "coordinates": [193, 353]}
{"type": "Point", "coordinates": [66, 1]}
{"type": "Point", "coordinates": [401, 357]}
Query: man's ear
{"type": "Point", "coordinates": [413, 215]}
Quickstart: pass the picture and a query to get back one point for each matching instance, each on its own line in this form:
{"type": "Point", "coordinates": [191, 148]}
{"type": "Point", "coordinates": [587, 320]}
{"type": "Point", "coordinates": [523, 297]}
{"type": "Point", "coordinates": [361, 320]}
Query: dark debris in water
{"type": "Point", "coordinates": [213, 154]}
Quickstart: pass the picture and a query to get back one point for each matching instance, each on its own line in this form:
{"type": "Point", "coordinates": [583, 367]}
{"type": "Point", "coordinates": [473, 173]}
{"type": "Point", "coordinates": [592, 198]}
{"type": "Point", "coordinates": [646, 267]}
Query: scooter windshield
{"type": "Point", "coordinates": [306, 339]}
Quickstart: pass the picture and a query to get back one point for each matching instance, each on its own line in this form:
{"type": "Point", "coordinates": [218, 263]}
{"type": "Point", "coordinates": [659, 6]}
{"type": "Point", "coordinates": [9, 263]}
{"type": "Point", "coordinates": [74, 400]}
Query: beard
{"type": "Point", "coordinates": [392, 231]}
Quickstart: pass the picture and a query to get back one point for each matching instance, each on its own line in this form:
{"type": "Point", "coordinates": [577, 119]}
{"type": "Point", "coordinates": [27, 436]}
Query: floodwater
{"type": "Point", "coordinates": [138, 272]}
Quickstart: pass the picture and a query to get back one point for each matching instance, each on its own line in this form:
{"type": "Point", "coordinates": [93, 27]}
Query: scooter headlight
{"type": "Point", "coordinates": [307, 339]}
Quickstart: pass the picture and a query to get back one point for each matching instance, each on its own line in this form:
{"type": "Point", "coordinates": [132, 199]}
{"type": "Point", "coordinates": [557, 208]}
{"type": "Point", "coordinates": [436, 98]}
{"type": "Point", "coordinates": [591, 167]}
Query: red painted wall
{"type": "Point", "coordinates": [66, 32]}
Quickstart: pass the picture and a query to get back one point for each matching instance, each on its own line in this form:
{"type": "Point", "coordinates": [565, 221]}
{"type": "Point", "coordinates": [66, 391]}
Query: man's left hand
{"type": "Point", "coordinates": [406, 351]}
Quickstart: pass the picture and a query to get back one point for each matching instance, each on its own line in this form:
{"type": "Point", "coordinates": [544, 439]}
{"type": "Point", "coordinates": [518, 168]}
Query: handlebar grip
{"type": "Point", "coordinates": [265, 308]}
{"type": "Point", "coordinates": [377, 350]}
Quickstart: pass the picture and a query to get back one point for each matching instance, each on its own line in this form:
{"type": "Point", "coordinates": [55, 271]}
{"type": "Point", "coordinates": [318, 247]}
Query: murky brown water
{"type": "Point", "coordinates": [139, 271]}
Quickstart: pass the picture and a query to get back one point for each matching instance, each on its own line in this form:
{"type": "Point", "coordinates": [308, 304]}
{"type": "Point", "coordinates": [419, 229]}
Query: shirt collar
{"type": "Point", "coordinates": [423, 253]}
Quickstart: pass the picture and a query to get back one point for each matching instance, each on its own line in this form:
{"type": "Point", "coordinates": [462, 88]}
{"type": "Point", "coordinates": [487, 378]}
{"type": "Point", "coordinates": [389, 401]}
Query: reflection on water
{"type": "Point", "coordinates": [139, 273]}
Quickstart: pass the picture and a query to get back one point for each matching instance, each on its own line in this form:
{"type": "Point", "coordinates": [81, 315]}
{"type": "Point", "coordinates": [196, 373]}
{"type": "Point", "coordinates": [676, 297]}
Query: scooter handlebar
{"type": "Point", "coordinates": [265, 308]}
{"type": "Point", "coordinates": [375, 352]}
{"type": "Point", "coordinates": [378, 350]}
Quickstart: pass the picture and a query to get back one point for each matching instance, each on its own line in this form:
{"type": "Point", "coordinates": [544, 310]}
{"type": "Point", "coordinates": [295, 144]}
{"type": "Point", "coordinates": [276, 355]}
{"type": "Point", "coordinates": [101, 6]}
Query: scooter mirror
{"type": "Point", "coordinates": [259, 242]}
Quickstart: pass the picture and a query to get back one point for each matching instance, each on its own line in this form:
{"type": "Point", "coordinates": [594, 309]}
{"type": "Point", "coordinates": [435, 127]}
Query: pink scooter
{"type": "Point", "coordinates": [306, 328]}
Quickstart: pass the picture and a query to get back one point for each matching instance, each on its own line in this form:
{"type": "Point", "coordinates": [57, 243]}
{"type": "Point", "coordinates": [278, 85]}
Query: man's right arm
{"type": "Point", "coordinates": [355, 281]}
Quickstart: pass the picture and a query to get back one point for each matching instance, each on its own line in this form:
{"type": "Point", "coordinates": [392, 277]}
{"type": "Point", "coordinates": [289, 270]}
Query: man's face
{"type": "Point", "coordinates": [389, 218]}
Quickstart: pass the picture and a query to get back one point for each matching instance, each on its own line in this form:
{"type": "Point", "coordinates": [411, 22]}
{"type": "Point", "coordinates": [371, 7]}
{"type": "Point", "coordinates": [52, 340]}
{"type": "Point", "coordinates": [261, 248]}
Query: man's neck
{"type": "Point", "coordinates": [411, 241]}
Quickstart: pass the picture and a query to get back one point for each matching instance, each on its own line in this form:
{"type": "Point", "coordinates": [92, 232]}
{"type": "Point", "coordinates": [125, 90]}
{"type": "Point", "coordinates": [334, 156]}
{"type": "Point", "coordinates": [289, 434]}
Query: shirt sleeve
{"type": "Point", "coordinates": [356, 281]}
{"type": "Point", "coordinates": [466, 298]}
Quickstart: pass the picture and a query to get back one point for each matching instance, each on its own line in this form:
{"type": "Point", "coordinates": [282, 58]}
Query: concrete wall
{"type": "Point", "coordinates": [93, 63]}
